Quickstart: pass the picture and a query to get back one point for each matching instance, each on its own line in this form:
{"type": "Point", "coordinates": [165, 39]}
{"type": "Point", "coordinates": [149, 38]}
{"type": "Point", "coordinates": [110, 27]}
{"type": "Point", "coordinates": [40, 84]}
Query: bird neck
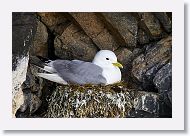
{"type": "Point", "coordinates": [96, 62]}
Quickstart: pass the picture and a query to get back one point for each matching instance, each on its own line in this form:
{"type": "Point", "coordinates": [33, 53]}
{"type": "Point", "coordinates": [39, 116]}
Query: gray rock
{"type": "Point", "coordinates": [142, 37]}
{"type": "Point", "coordinates": [124, 26]}
{"type": "Point", "coordinates": [96, 30]}
{"type": "Point", "coordinates": [139, 67]}
{"type": "Point", "coordinates": [31, 103]}
{"type": "Point", "coordinates": [40, 45]}
{"type": "Point", "coordinates": [163, 82]}
{"type": "Point", "coordinates": [124, 55]}
{"type": "Point", "coordinates": [137, 51]}
{"type": "Point", "coordinates": [55, 21]}
{"type": "Point", "coordinates": [23, 30]}
{"type": "Point", "coordinates": [152, 23]}
{"type": "Point", "coordinates": [145, 66]}
{"type": "Point", "coordinates": [32, 88]}
{"type": "Point", "coordinates": [140, 114]}
{"type": "Point", "coordinates": [147, 102]}
{"type": "Point", "coordinates": [164, 20]}
{"type": "Point", "coordinates": [150, 74]}
{"type": "Point", "coordinates": [163, 78]}
{"type": "Point", "coordinates": [170, 96]}
{"type": "Point", "coordinates": [74, 44]}
{"type": "Point", "coordinates": [32, 82]}
{"type": "Point", "coordinates": [165, 110]}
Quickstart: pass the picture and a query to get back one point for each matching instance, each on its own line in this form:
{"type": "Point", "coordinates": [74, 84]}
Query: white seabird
{"type": "Point", "coordinates": [104, 69]}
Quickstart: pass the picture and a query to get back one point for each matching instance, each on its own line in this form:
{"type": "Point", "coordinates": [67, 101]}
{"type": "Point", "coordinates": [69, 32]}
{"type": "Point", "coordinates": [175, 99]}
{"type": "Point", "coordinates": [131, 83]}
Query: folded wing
{"type": "Point", "coordinates": [78, 72]}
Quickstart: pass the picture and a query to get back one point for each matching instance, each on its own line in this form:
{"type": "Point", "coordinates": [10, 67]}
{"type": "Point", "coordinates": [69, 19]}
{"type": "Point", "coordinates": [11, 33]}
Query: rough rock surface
{"type": "Point", "coordinates": [123, 55]}
{"type": "Point", "coordinates": [122, 25]}
{"type": "Point", "coordinates": [154, 70]}
{"type": "Point", "coordinates": [96, 30]}
{"type": "Point", "coordinates": [53, 20]}
{"type": "Point", "coordinates": [163, 78]}
{"type": "Point", "coordinates": [165, 20]}
{"type": "Point", "coordinates": [34, 89]}
{"type": "Point", "coordinates": [163, 81]}
{"type": "Point", "coordinates": [23, 30]}
{"type": "Point", "coordinates": [74, 44]}
{"type": "Point", "coordinates": [146, 65]}
{"type": "Point", "coordinates": [140, 114]}
{"type": "Point", "coordinates": [152, 23]}
{"type": "Point", "coordinates": [147, 102]}
{"type": "Point", "coordinates": [31, 101]}
{"type": "Point", "coordinates": [40, 45]}
{"type": "Point", "coordinates": [17, 101]}
{"type": "Point", "coordinates": [24, 27]}
{"type": "Point", "coordinates": [142, 37]}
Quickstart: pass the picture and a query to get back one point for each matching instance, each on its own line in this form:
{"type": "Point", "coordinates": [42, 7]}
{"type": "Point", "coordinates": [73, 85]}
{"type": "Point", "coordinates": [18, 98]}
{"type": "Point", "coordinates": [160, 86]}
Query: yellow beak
{"type": "Point", "coordinates": [117, 64]}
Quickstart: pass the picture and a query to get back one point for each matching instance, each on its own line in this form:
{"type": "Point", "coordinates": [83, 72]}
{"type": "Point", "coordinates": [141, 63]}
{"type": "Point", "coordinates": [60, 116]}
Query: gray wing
{"type": "Point", "coordinates": [79, 72]}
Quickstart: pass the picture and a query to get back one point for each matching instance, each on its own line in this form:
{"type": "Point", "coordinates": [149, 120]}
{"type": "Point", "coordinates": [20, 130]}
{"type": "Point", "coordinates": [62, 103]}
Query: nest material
{"type": "Point", "coordinates": [90, 101]}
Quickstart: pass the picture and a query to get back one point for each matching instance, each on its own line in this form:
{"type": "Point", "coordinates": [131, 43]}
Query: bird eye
{"type": "Point", "coordinates": [107, 58]}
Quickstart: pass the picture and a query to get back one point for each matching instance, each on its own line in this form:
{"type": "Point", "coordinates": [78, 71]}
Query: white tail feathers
{"type": "Point", "coordinates": [52, 77]}
{"type": "Point", "coordinates": [49, 69]}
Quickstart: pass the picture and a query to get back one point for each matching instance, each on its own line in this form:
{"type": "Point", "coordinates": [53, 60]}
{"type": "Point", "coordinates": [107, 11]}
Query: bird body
{"type": "Point", "coordinates": [114, 77]}
{"type": "Point", "coordinates": [104, 69]}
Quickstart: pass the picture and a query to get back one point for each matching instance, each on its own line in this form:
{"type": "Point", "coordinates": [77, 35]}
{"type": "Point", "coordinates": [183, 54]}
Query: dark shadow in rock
{"type": "Point", "coordinates": [46, 93]}
{"type": "Point", "coordinates": [140, 114]}
{"type": "Point", "coordinates": [51, 49]}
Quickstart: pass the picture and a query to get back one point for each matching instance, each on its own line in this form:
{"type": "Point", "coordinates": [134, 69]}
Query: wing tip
{"type": "Point", "coordinates": [52, 77]}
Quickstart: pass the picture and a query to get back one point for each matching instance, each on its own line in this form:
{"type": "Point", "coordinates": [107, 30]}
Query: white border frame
{"type": "Point", "coordinates": [174, 123]}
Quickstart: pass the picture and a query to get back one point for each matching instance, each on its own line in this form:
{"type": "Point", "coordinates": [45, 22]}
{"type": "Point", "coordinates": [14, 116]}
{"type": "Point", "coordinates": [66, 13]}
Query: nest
{"type": "Point", "coordinates": [90, 101]}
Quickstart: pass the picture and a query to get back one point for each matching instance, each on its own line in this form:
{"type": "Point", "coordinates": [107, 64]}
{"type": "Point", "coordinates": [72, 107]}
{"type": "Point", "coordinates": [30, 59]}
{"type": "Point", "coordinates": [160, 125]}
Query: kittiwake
{"type": "Point", "coordinates": [104, 69]}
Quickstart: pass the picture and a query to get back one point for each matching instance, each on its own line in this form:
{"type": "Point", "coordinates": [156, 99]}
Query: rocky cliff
{"type": "Point", "coordinates": [142, 42]}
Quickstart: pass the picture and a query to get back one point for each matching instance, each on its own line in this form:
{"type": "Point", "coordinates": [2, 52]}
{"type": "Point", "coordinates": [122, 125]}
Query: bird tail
{"type": "Point", "coordinates": [52, 77]}
{"type": "Point", "coordinates": [36, 61]}
{"type": "Point", "coordinates": [42, 63]}
{"type": "Point", "coordinates": [49, 72]}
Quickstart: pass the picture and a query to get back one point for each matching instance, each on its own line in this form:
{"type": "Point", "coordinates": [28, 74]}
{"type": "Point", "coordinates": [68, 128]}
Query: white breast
{"type": "Point", "coordinates": [112, 75]}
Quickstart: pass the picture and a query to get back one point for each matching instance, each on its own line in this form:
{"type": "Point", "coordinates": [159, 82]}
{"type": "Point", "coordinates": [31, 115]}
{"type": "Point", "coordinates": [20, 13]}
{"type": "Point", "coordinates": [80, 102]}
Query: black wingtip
{"type": "Point", "coordinates": [35, 60]}
{"type": "Point", "coordinates": [43, 59]}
